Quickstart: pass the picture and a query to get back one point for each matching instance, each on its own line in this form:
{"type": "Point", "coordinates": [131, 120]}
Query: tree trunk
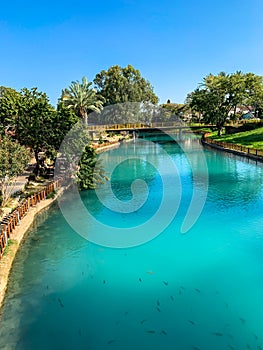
{"type": "Point", "coordinates": [85, 119]}
{"type": "Point", "coordinates": [36, 170]}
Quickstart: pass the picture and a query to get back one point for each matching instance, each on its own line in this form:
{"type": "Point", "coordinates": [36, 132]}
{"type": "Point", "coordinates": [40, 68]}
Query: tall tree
{"type": "Point", "coordinates": [82, 98]}
{"type": "Point", "coordinates": [126, 93]}
{"type": "Point", "coordinates": [254, 93]}
{"type": "Point", "coordinates": [90, 173]}
{"type": "Point", "coordinates": [35, 125]}
{"type": "Point", "coordinates": [9, 101]}
{"type": "Point", "coordinates": [119, 85]}
{"type": "Point", "coordinates": [223, 93]}
{"type": "Point", "coordinates": [13, 161]}
{"type": "Point", "coordinates": [175, 111]}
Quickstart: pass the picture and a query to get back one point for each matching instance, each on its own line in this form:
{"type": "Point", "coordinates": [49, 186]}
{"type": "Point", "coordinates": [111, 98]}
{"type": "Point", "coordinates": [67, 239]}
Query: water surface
{"type": "Point", "coordinates": [200, 290]}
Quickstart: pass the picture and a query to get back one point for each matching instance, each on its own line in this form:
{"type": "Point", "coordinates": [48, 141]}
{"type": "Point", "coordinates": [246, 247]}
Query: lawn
{"type": "Point", "coordinates": [251, 139]}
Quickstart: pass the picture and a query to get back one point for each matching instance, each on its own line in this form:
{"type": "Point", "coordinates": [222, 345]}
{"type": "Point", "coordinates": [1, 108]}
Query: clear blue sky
{"type": "Point", "coordinates": [175, 44]}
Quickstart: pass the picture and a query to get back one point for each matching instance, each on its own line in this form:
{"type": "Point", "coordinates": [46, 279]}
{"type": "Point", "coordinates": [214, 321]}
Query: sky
{"type": "Point", "coordinates": [174, 44]}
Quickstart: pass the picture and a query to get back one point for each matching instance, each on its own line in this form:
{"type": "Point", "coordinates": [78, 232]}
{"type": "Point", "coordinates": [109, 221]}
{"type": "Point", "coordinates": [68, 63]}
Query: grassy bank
{"type": "Point", "coordinates": [250, 139]}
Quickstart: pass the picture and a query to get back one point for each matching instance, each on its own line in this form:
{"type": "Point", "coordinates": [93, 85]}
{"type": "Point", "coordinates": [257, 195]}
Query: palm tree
{"type": "Point", "coordinates": [82, 99]}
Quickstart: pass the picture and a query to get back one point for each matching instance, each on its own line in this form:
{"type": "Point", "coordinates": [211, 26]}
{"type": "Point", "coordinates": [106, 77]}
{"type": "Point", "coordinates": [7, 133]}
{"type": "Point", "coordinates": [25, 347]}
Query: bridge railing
{"type": "Point", "coordinates": [9, 223]}
{"type": "Point", "coordinates": [132, 126]}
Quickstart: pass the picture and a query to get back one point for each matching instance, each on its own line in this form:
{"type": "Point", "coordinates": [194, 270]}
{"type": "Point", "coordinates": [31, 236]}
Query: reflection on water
{"type": "Point", "coordinates": [202, 290]}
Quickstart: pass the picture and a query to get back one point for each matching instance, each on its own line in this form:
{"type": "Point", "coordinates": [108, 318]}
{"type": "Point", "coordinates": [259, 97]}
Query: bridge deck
{"type": "Point", "coordinates": [141, 126]}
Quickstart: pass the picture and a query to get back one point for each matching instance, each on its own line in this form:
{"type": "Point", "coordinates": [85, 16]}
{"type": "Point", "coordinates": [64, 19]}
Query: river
{"type": "Point", "coordinates": [162, 287]}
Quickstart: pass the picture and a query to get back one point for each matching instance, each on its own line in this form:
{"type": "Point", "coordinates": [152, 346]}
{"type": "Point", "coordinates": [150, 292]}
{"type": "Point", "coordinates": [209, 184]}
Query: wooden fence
{"type": "Point", "coordinates": [9, 223]}
{"type": "Point", "coordinates": [227, 145]}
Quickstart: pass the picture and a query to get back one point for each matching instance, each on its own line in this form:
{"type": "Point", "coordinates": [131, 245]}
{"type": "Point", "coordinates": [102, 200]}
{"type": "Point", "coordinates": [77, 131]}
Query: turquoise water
{"type": "Point", "coordinates": [199, 290]}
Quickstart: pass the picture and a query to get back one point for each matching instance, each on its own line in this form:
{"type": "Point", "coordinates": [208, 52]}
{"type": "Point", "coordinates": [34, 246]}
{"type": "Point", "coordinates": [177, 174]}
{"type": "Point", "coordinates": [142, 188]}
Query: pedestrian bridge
{"type": "Point", "coordinates": [145, 126]}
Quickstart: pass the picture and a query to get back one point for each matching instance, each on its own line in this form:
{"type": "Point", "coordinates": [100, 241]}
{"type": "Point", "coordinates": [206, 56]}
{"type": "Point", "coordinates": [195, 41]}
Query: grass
{"type": "Point", "coordinates": [9, 245]}
{"type": "Point", "coordinates": [250, 139]}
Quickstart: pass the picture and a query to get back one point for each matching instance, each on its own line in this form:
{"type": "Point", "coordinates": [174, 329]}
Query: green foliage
{"type": "Point", "coordinates": [35, 122]}
{"type": "Point", "coordinates": [51, 195]}
{"type": "Point", "coordinates": [221, 94]}
{"type": "Point", "coordinates": [10, 243]}
{"type": "Point", "coordinates": [62, 122]}
{"type": "Point", "coordinates": [13, 161]}
{"type": "Point", "coordinates": [81, 98]}
{"type": "Point", "coordinates": [119, 85]}
{"type": "Point", "coordinates": [9, 100]}
{"type": "Point", "coordinates": [174, 110]}
{"type": "Point", "coordinates": [90, 173]}
{"type": "Point", "coordinates": [129, 98]}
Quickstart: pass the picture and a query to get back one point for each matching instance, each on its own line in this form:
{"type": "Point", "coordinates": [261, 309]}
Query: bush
{"type": "Point", "coordinates": [51, 195]}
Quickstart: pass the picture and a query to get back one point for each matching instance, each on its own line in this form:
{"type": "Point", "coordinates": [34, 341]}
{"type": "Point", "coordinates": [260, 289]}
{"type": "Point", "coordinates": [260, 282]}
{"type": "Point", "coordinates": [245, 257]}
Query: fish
{"type": "Point", "coordinates": [192, 322]}
{"type": "Point", "coordinates": [197, 290]}
{"type": "Point", "coordinates": [104, 281]}
{"type": "Point", "coordinates": [255, 336]}
{"type": "Point", "coordinates": [163, 332]}
{"type": "Point", "coordinates": [150, 272]}
{"type": "Point", "coordinates": [158, 309]}
{"type": "Point", "coordinates": [165, 282]}
{"type": "Point", "coordinates": [195, 347]}
{"type": "Point", "coordinates": [150, 331]}
{"type": "Point", "coordinates": [242, 320]}
{"type": "Point", "coordinates": [248, 346]}
{"type": "Point", "coordinates": [171, 297]}
{"type": "Point", "coordinates": [218, 334]}
{"type": "Point", "coordinates": [231, 347]}
{"type": "Point", "coordinates": [182, 287]}
{"type": "Point", "coordinates": [142, 321]}
{"type": "Point", "coordinates": [126, 313]}
{"type": "Point", "coordinates": [140, 279]}
{"type": "Point", "coordinates": [79, 331]}
{"type": "Point", "coordinates": [111, 341]}
{"type": "Point", "coordinates": [60, 302]}
{"type": "Point", "coordinates": [158, 302]}
{"type": "Point", "coordinates": [230, 336]}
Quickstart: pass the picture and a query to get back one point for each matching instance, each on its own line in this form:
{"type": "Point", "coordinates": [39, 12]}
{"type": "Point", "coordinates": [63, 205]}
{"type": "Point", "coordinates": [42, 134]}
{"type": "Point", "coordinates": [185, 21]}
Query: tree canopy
{"type": "Point", "coordinates": [91, 172]}
{"type": "Point", "coordinates": [119, 85]}
{"type": "Point", "coordinates": [13, 161]}
{"type": "Point", "coordinates": [9, 99]}
{"type": "Point", "coordinates": [82, 98]}
{"type": "Point", "coordinates": [34, 124]}
{"type": "Point", "coordinates": [219, 96]}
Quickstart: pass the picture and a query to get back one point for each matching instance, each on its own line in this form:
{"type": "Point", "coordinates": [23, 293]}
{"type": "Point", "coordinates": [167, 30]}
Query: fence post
{"type": "Point", "coordinates": [18, 217]}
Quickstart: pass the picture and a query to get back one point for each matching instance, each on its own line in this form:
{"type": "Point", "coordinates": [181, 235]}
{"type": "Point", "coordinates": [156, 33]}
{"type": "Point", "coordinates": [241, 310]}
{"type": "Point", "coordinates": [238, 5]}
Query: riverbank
{"type": "Point", "coordinates": [18, 235]}
{"type": "Point", "coordinates": [20, 232]}
{"type": "Point", "coordinates": [255, 154]}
